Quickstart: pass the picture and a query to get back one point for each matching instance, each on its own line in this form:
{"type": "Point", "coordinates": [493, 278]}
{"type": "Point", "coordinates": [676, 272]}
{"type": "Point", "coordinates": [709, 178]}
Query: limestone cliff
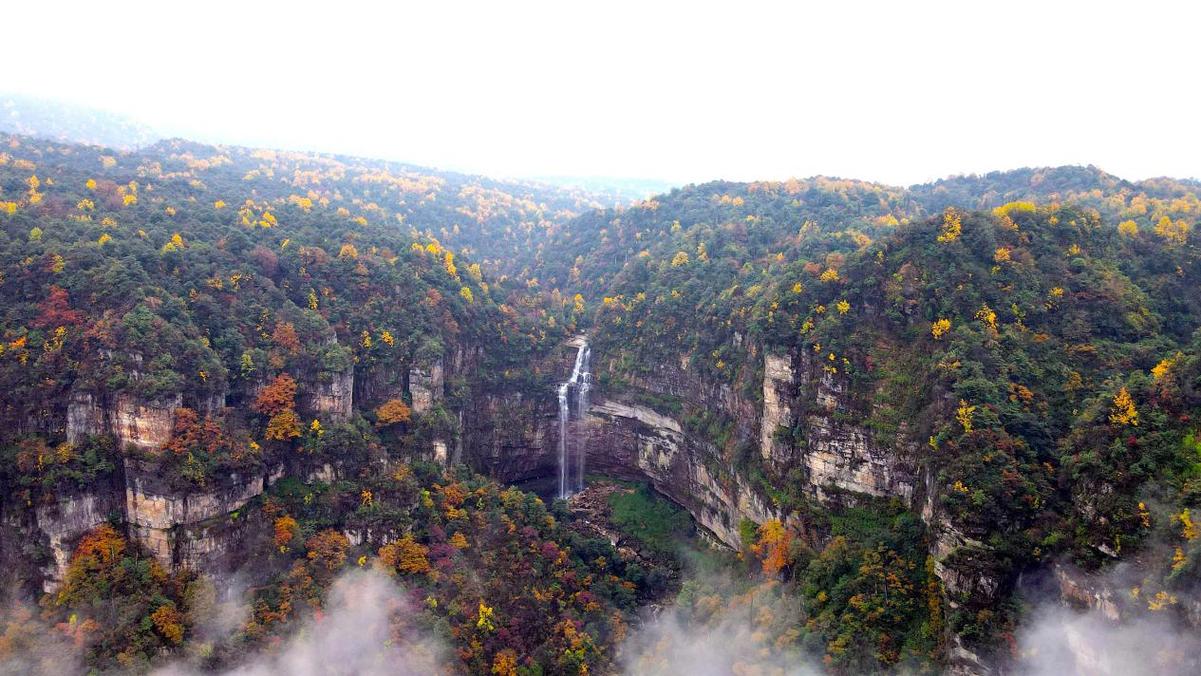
{"type": "Point", "coordinates": [330, 396]}
{"type": "Point", "coordinates": [634, 441]}
{"type": "Point", "coordinates": [809, 421]}
{"type": "Point", "coordinates": [132, 421]}
{"type": "Point", "coordinates": [193, 529]}
{"type": "Point", "coordinates": [426, 386]}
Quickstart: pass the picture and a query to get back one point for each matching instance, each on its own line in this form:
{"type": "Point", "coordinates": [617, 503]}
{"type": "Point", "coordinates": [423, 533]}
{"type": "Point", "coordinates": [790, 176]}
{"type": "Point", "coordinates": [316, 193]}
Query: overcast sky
{"type": "Point", "coordinates": [892, 91]}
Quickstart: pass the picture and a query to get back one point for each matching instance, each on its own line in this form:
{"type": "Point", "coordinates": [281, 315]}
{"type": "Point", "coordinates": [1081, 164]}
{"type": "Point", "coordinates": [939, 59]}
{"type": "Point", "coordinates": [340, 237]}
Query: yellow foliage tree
{"type": "Point", "coordinates": [1174, 232]}
{"type": "Point", "coordinates": [939, 328]}
{"type": "Point", "coordinates": [774, 545]}
{"type": "Point", "coordinates": [1123, 411]}
{"type": "Point", "coordinates": [963, 414]}
{"type": "Point", "coordinates": [1187, 528]}
{"type": "Point", "coordinates": [952, 226]}
{"type": "Point", "coordinates": [988, 316]}
{"type": "Point", "coordinates": [505, 663]}
{"type": "Point", "coordinates": [406, 555]}
{"type": "Point", "coordinates": [1164, 368]}
{"type": "Point", "coordinates": [487, 618]}
{"type": "Point", "coordinates": [283, 426]}
{"type": "Point", "coordinates": [169, 622]}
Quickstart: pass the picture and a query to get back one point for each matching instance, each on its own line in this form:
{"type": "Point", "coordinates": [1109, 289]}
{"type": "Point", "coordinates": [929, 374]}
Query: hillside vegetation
{"type": "Point", "coordinates": [1027, 340]}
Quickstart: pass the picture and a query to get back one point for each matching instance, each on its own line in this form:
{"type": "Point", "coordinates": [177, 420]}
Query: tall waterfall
{"type": "Point", "coordinates": [571, 455]}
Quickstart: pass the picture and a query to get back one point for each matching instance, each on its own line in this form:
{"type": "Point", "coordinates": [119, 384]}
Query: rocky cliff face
{"type": "Point", "coordinates": [330, 396]}
{"type": "Point", "coordinates": [634, 441]}
{"type": "Point", "coordinates": [64, 521]}
{"type": "Point", "coordinates": [808, 422]}
{"type": "Point", "coordinates": [805, 421]}
{"type": "Point", "coordinates": [140, 423]}
{"type": "Point", "coordinates": [191, 530]}
{"type": "Point", "coordinates": [512, 436]}
{"type": "Point", "coordinates": [143, 424]}
{"type": "Point", "coordinates": [426, 385]}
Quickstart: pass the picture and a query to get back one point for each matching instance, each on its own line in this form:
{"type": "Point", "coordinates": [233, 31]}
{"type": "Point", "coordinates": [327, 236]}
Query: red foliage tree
{"type": "Point", "coordinates": [278, 396]}
{"type": "Point", "coordinates": [56, 310]}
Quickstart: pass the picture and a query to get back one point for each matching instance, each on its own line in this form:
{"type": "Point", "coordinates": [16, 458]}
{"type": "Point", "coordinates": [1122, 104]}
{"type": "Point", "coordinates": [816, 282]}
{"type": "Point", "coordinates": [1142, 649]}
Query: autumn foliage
{"type": "Point", "coordinates": [278, 396]}
{"type": "Point", "coordinates": [392, 412]}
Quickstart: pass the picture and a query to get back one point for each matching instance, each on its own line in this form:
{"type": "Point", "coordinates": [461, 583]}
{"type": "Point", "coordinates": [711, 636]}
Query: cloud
{"type": "Point", "coordinates": [671, 644]}
{"type": "Point", "coordinates": [27, 647]}
{"type": "Point", "coordinates": [1065, 641]}
{"type": "Point", "coordinates": [1111, 637]}
{"type": "Point", "coordinates": [717, 626]}
{"type": "Point", "coordinates": [354, 635]}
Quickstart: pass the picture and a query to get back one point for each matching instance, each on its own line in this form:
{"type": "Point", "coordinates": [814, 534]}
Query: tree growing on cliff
{"type": "Point", "coordinates": [392, 412]}
{"type": "Point", "coordinates": [278, 396]}
{"type": "Point", "coordinates": [119, 602]}
{"type": "Point", "coordinates": [278, 400]}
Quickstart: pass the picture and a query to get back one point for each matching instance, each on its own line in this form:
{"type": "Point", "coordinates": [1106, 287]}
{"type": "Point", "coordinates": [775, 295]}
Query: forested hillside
{"type": "Point", "coordinates": [238, 374]}
{"type": "Point", "coordinates": [1030, 371]}
{"type": "Point", "coordinates": [194, 317]}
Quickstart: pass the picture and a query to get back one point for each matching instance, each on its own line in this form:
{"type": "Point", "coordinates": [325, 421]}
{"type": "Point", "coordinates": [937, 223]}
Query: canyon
{"type": "Point", "coordinates": [798, 417]}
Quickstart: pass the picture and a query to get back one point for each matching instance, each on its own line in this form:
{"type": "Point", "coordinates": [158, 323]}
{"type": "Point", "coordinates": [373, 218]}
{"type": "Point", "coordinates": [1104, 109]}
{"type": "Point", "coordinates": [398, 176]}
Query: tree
{"type": "Point", "coordinates": [286, 530]}
{"type": "Point", "coordinates": [278, 396]}
{"type": "Point", "coordinates": [952, 226]}
{"type": "Point", "coordinates": [505, 663]}
{"type": "Point", "coordinates": [283, 426]}
{"type": "Point", "coordinates": [96, 555]}
{"type": "Point", "coordinates": [56, 310]}
{"type": "Point", "coordinates": [284, 335]}
{"type": "Point", "coordinates": [391, 412]}
{"type": "Point", "coordinates": [328, 549]}
{"type": "Point", "coordinates": [773, 547]}
{"type": "Point", "coordinates": [1123, 411]}
{"type": "Point", "coordinates": [1174, 232]}
{"type": "Point", "coordinates": [406, 556]}
{"type": "Point", "coordinates": [169, 622]}
{"type": "Point", "coordinates": [963, 415]}
{"type": "Point", "coordinates": [939, 328]}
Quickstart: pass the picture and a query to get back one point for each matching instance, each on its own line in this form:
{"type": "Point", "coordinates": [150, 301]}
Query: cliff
{"type": "Point", "coordinates": [636, 442]}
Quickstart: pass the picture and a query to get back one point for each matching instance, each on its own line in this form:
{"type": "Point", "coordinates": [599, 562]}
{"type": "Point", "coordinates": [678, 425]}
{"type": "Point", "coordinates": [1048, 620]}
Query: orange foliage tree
{"type": "Point", "coordinates": [391, 412]}
{"type": "Point", "coordinates": [406, 556]}
{"type": "Point", "coordinates": [774, 545]}
{"type": "Point", "coordinates": [278, 396]}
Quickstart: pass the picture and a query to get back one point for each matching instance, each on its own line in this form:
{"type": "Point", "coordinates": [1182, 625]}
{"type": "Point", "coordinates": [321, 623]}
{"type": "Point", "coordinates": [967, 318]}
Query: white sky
{"type": "Point", "coordinates": [891, 91]}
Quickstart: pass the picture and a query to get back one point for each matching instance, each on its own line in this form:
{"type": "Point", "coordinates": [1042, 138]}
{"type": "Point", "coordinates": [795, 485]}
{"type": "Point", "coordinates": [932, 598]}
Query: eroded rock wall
{"type": "Point", "coordinates": [194, 529]}
{"type": "Point", "coordinates": [634, 441]}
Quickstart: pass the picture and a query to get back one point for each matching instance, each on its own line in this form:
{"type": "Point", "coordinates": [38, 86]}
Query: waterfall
{"type": "Point", "coordinates": [581, 443]}
{"type": "Point", "coordinates": [581, 381]}
{"type": "Point", "coordinates": [564, 413]}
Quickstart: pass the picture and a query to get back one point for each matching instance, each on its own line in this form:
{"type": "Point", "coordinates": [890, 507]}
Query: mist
{"type": "Point", "coordinates": [671, 91]}
{"type": "Point", "coordinates": [354, 635]}
{"type": "Point", "coordinates": [718, 625]}
{"type": "Point", "coordinates": [1057, 640]}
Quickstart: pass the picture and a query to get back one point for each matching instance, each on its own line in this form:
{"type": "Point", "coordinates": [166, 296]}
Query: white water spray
{"type": "Point", "coordinates": [581, 380]}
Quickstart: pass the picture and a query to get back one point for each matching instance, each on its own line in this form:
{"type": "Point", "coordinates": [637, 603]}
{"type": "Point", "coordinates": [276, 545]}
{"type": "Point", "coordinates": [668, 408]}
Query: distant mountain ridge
{"type": "Point", "coordinates": [71, 123]}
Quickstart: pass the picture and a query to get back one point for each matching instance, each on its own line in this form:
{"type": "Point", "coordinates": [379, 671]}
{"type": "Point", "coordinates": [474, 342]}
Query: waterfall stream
{"type": "Point", "coordinates": [571, 455]}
